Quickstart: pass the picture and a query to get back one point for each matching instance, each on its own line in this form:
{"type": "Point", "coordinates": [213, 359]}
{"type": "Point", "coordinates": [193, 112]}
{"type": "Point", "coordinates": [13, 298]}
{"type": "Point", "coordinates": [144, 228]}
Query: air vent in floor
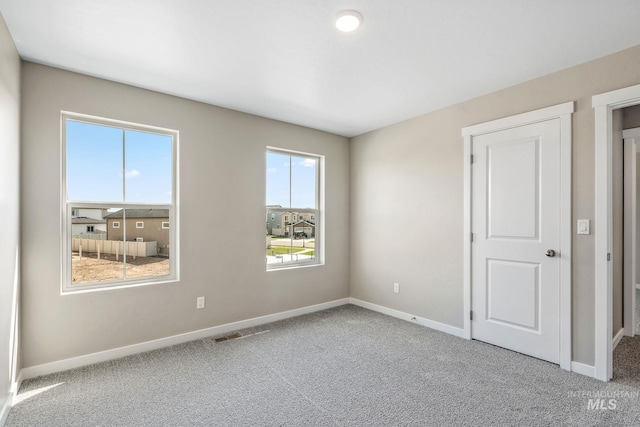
{"type": "Point", "coordinates": [228, 337]}
{"type": "Point", "coordinates": [236, 335]}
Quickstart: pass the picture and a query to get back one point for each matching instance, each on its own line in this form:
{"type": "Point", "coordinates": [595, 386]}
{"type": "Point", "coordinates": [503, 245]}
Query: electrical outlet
{"type": "Point", "coordinates": [396, 288]}
{"type": "Point", "coordinates": [199, 303]}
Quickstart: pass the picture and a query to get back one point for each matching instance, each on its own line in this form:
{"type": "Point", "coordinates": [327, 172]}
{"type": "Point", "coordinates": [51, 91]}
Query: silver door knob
{"type": "Point", "coordinates": [550, 253]}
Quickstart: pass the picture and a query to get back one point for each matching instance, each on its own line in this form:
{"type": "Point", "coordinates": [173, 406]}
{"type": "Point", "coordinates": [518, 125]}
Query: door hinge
{"type": "Point", "coordinates": [472, 159]}
{"type": "Point", "coordinates": [609, 257]}
{"type": "Point", "coordinates": [470, 315]}
{"type": "Point", "coordinates": [472, 237]}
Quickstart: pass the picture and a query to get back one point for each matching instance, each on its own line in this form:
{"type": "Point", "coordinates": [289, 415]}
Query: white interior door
{"type": "Point", "coordinates": [515, 254]}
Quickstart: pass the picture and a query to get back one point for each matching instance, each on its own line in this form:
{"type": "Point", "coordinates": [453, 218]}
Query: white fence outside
{"type": "Point", "coordinates": [115, 247]}
{"type": "Point", "coordinates": [91, 236]}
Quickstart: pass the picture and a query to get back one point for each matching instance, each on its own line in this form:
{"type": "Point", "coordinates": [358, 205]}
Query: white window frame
{"type": "Point", "coordinates": [167, 225]}
{"type": "Point", "coordinates": [115, 224]}
{"type": "Point", "coordinates": [66, 287]}
{"type": "Point", "coordinates": [139, 224]}
{"type": "Point", "coordinates": [318, 212]}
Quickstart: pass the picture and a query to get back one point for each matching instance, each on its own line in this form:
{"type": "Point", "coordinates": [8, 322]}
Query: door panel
{"type": "Point", "coordinates": [513, 175]}
{"type": "Point", "coordinates": [515, 288]}
{"type": "Point", "coordinates": [513, 293]}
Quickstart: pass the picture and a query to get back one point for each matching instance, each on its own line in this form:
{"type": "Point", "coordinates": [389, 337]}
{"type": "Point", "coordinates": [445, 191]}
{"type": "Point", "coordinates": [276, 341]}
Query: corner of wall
{"type": "Point", "coordinates": [10, 108]}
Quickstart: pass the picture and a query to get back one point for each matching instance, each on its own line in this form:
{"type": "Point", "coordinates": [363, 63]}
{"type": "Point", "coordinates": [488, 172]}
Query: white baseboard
{"type": "Point", "coordinates": [16, 385]}
{"type": "Point", "coordinates": [582, 369]}
{"type": "Point", "coordinates": [103, 356]}
{"type": "Point", "coordinates": [577, 367]}
{"type": "Point", "coordinates": [5, 407]}
{"type": "Point", "coordinates": [617, 338]}
{"type": "Point", "coordinates": [458, 332]}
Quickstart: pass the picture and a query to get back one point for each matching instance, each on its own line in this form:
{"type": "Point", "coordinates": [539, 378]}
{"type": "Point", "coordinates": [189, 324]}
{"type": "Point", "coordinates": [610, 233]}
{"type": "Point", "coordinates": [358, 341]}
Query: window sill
{"type": "Point", "coordinates": [108, 286]}
{"type": "Point", "coordinates": [276, 267]}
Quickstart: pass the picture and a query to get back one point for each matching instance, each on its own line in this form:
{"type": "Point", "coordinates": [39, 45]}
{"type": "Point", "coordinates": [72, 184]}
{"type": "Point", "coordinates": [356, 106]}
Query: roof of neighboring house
{"type": "Point", "coordinates": [299, 212]}
{"type": "Point", "coordinates": [85, 220]}
{"type": "Point", "coordinates": [140, 213]}
{"type": "Point", "coordinates": [305, 222]}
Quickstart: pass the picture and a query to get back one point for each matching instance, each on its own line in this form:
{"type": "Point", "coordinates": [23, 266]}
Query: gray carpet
{"type": "Point", "coordinates": [342, 367]}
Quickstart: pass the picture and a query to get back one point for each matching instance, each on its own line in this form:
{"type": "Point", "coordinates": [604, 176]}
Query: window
{"type": "Point", "coordinates": [165, 225]}
{"type": "Point", "coordinates": [75, 212]}
{"type": "Point", "coordinates": [293, 184]}
{"type": "Point", "coordinates": [90, 228]}
{"type": "Point", "coordinates": [123, 171]}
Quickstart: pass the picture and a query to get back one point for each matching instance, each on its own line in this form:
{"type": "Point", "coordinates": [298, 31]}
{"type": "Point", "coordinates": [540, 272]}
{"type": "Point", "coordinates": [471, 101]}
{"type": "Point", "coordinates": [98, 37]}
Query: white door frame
{"type": "Point", "coordinates": [604, 104]}
{"type": "Point", "coordinates": [562, 112]}
{"type": "Point", "coordinates": [631, 138]}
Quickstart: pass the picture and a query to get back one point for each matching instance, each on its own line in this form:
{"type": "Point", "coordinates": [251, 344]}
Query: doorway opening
{"type": "Point", "coordinates": [626, 346]}
{"type": "Point", "coordinates": [609, 245]}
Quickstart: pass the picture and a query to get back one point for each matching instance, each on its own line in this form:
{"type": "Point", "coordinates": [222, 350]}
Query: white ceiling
{"type": "Point", "coordinates": [283, 59]}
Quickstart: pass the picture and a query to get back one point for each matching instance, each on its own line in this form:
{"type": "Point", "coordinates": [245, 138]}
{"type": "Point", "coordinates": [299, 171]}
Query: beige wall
{"type": "Point", "coordinates": [412, 173]}
{"type": "Point", "coordinates": [408, 173]}
{"type": "Point", "coordinates": [222, 164]}
{"type": "Point", "coordinates": [9, 202]}
{"type": "Point", "coordinates": [631, 117]}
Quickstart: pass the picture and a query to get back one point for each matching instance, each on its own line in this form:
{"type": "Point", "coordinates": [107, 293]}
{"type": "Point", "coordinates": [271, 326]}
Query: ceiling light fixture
{"type": "Point", "coordinates": [348, 20]}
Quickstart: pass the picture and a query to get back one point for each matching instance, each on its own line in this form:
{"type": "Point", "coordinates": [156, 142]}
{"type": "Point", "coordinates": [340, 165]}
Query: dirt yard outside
{"type": "Point", "coordinates": [90, 269]}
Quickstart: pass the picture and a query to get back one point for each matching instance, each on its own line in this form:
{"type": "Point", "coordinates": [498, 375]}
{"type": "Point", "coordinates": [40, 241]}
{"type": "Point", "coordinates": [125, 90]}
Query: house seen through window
{"type": "Point", "coordinates": [293, 184]}
{"type": "Point", "coordinates": [119, 187]}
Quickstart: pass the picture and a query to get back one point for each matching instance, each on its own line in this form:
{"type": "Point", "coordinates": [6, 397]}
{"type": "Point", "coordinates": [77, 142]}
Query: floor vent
{"type": "Point", "coordinates": [228, 337]}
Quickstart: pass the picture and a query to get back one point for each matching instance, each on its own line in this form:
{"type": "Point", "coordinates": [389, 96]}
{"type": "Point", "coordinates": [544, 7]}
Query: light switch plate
{"type": "Point", "coordinates": [583, 226]}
